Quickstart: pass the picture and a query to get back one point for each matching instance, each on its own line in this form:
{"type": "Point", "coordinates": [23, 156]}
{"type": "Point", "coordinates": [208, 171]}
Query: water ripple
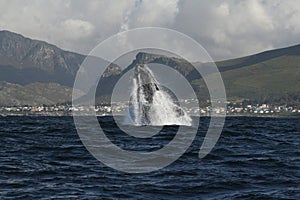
{"type": "Point", "coordinates": [255, 158]}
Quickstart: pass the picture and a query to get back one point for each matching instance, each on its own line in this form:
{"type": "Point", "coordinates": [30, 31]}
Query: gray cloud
{"type": "Point", "coordinates": [225, 28]}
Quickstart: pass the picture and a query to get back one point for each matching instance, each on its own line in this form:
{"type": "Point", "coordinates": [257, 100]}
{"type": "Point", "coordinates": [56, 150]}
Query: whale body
{"type": "Point", "coordinates": [147, 88]}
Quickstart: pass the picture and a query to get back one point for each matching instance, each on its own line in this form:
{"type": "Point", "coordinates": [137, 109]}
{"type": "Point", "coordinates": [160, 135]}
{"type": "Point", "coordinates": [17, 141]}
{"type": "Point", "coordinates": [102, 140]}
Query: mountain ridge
{"type": "Point", "coordinates": [21, 56]}
{"type": "Point", "coordinates": [260, 77]}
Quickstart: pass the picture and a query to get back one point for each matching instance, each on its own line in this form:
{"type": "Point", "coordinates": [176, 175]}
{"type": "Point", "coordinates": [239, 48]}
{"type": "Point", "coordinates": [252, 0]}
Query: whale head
{"type": "Point", "coordinates": [146, 82]}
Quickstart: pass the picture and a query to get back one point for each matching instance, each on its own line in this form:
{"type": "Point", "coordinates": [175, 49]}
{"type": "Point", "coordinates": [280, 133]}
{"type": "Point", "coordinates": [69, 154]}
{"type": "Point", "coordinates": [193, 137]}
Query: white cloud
{"type": "Point", "coordinates": [77, 28]}
{"type": "Point", "coordinates": [156, 13]}
{"type": "Point", "coordinates": [225, 28]}
{"type": "Point", "coordinates": [74, 25]}
{"type": "Point", "coordinates": [236, 28]}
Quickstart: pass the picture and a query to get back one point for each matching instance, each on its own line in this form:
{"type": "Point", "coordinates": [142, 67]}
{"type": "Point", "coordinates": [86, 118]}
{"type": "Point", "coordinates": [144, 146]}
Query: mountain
{"type": "Point", "coordinates": [271, 76]}
{"type": "Point", "coordinates": [24, 62]}
{"type": "Point", "coordinates": [106, 84]}
{"type": "Point", "coordinates": [36, 72]}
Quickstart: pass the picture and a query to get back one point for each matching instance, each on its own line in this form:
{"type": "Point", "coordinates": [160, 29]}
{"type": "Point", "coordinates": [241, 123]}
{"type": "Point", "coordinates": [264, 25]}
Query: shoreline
{"type": "Point", "coordinates": [69, 114]}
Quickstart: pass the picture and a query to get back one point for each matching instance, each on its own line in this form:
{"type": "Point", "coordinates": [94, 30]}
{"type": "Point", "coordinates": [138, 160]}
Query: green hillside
{"type": "Point", "coordinates": [277, 79]}
{"type": "Point", "coordinates": [33, 94]}
{"type": "Point", "coordinates": [272, 76]}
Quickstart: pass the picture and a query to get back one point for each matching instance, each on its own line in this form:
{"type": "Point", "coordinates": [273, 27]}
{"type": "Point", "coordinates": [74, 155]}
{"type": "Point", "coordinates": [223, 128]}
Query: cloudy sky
{"type": "Point", "coordinates": [226, 29]}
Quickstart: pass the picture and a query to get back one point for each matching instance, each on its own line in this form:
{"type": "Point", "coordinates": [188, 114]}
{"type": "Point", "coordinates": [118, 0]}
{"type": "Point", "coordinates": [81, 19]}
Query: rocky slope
{"type": "Point", "coordinates": [27, 64]}
{"type": "Point", "coordinates": [24, 61]}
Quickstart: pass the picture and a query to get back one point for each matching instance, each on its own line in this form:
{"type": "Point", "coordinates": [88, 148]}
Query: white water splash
{"type": "Point", "coordinates": [155, 106]}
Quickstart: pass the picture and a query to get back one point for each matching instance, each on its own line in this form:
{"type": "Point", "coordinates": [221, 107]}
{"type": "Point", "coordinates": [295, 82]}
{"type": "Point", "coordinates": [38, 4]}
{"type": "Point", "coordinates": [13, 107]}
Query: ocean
{"type": "Point", "coordinates": [255, 158]}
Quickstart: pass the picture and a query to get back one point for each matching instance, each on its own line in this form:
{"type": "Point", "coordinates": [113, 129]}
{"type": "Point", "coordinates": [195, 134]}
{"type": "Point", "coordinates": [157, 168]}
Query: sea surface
{"type": "Point", "coordinates": [255, 158]}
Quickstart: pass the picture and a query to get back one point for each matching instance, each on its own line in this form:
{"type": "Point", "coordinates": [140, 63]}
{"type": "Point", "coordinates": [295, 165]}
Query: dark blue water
{"type": "Point", "coordinates": [255, 158]}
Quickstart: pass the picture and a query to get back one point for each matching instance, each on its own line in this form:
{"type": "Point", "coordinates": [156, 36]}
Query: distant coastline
{"type": "Point", "coordinates": [65, 114]}
{"type": "Point", "coordinates": [105, 109]}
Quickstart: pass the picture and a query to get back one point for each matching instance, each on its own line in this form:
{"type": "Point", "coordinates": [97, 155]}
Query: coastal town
{"type": "Point", "coordinates": [233, 109]}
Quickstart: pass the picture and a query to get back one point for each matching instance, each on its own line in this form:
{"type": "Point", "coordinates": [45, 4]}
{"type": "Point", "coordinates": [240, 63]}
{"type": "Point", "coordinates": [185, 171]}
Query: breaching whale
{"type": "Point", "coordinates": [150, 100]}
